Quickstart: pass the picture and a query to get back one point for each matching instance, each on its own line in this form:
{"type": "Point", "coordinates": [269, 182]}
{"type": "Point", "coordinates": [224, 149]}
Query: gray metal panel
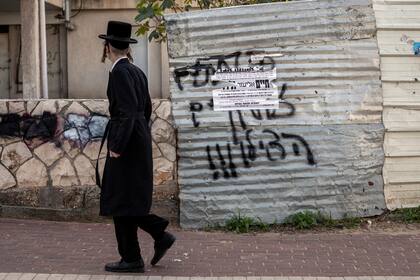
{"type": "Point", "coordinates": [277, 24]}
{"type": "Point", "coordinates": [347, 177]}
{"type": "Point", "coordinates": [331, 106]}
{"type": "Point", "coordinates": [329, 83]}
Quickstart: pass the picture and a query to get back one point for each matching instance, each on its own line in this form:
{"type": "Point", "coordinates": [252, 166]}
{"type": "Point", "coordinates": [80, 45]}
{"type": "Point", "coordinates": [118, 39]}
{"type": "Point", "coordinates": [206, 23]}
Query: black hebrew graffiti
{"type": "Point", "coordinates": [205, 67]}
{"type": "Point", "coordinates": [194, 108]}
{"type": "Point", "coordinates": [287, 109]}
{"type": "Point", "coordinates": [250, 145]}
{"type": "Point", "coordinates": [78, 129]}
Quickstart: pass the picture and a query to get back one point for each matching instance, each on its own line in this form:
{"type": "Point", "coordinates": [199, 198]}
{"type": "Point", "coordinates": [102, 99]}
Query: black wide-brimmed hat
{"type": "Point", "coordinates": [118, 32]}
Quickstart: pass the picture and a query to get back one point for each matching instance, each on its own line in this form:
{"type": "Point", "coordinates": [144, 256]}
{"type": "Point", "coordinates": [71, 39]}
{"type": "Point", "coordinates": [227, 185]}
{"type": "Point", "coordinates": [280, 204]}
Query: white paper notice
{"type": "Point", "coordinates": [254, 73]}
{"type": "Point", "coordinates": [245, 99]}
{"type": "Point", "coordinates": [246, 89]}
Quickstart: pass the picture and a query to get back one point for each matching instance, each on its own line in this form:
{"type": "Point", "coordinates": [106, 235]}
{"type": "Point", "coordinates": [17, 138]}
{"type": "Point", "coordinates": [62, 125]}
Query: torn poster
{"type": "Point", "coordinates": [246, 89]}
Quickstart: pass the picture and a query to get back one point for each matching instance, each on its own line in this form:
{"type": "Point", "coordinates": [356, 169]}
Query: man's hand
{"type": "Point", "coordinates": [113, 155]}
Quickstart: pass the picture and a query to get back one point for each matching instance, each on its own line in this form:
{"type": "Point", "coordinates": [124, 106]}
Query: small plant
{"type": "Point", "coordinates": [407, 215]}
{"type": "Point", "coordinates": [239, 224]}
{"type": "Point", "coordinates": [242, 224]}
{"type": "Point", "coordinates": [260, 225]}
{"type": "Point", "coordinates": [308, 220]}
{"type": "Point", "coordinates": [346, 222]}
{"type": "Point", "coordinates": [350, 222]}
{"type": "Point", "coordinates": [302, 220]}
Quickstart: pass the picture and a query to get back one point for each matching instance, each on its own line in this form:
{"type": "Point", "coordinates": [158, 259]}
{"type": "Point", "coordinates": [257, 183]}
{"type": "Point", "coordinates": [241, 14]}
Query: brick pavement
{"type": "Point", "coordinates": [41, 276]}
{"type": "Point", "coordinates": [81, 248]}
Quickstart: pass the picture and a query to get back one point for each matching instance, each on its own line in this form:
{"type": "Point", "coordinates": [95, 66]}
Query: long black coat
{"type": "Point", "coordinates": [127, 183]}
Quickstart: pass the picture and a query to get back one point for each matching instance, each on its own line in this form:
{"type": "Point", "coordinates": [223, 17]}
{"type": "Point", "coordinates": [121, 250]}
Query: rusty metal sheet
{"type": "Point", "coordinates": [320, 150]}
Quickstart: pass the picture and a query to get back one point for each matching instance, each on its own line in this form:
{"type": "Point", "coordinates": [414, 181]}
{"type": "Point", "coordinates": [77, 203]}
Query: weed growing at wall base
{"type": "Point", "coordinates": [242, 224]}
{"type": "Point", "coordinates": [302, 220]}
{"type": "Point", "coordinates": [309, 220]}
{"type": "Point", "coordinates": [305, 220]}
{"type": "Point", "coordinates": [406, 215]}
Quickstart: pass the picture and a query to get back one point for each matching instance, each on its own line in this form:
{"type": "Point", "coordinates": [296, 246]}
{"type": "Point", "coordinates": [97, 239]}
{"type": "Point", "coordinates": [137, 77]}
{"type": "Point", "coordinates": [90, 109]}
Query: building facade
{"type": "Point", "coordinates": [73, 50]}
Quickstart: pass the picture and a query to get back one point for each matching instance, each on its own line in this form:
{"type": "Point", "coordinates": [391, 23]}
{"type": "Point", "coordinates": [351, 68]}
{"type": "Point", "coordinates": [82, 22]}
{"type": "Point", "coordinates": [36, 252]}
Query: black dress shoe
{"type": "Point", "coordinates": [123, 266]}
{"type": "Point", "coordinates": [162, 246]}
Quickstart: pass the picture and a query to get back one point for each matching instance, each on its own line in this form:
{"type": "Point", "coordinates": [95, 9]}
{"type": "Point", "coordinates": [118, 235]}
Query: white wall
{"type": "Point", "coordinates": [88, 77]}
{"type": "Point", "coordinates": [398, 24]}
{"type": "Point", "coordinates": [4, 65]}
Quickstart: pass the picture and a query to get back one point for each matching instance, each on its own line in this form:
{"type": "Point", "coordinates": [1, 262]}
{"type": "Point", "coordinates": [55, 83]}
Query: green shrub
{"type": "Point", "coordinates": [350, 222]}
{"type": "Point", "coordinates": [260, 225]}
{"type": "Point", "coordinates": [242, 224]}
{"type": "Point", "coordinates": [407, 215]}
{"type": "Point", "coordinates": [302, 220]}
{"type": "Point", "coordinates": [308, 220]}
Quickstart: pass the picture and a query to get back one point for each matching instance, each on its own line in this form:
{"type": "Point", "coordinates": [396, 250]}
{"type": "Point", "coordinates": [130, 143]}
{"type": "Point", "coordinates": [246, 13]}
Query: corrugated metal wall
{"type": "Point", "coordinates": [321, 150]}
{"type": "Point", "coordinates": [398, 24]}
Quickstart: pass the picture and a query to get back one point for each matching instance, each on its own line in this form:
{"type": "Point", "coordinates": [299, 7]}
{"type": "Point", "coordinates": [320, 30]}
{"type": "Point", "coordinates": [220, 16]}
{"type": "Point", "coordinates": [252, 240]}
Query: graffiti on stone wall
{"type": "Point", "coordinates": [270, 144]}
{"type": "Point", "coordinates": [82, 129]}
{"type": "Point", "coordinates": [29, 127]}
{"type": "Point", "coordinates": [78, 129]}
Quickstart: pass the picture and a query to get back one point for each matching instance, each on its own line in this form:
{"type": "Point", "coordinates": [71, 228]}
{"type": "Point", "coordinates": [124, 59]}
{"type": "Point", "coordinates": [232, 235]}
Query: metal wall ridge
{"type": "Point", "coordinates": [317, 20]}
{"type": "Point", "coordinates": [296, 5]}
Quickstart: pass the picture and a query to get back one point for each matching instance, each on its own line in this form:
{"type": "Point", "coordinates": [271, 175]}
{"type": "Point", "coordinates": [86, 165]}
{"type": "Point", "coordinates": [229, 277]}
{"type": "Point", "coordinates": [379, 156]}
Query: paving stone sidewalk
{"type": "Point", "coordinates": [30, 246]}
{"type": "Point", "coordinates": [42, 276]}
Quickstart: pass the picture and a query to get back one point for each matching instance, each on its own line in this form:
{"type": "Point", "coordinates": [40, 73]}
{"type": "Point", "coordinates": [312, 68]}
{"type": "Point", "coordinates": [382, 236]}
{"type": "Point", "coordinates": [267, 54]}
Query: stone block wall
{"type": "Point", "coordinates": [48, 152]}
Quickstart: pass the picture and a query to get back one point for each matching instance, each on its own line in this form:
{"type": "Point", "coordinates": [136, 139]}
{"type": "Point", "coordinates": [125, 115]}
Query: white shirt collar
{"type": "Point", "coordinates": [116, 61]}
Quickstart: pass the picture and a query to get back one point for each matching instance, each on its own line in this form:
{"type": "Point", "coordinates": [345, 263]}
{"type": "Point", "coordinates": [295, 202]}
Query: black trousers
{"type": "Point", "coordinates": [126, 233]}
